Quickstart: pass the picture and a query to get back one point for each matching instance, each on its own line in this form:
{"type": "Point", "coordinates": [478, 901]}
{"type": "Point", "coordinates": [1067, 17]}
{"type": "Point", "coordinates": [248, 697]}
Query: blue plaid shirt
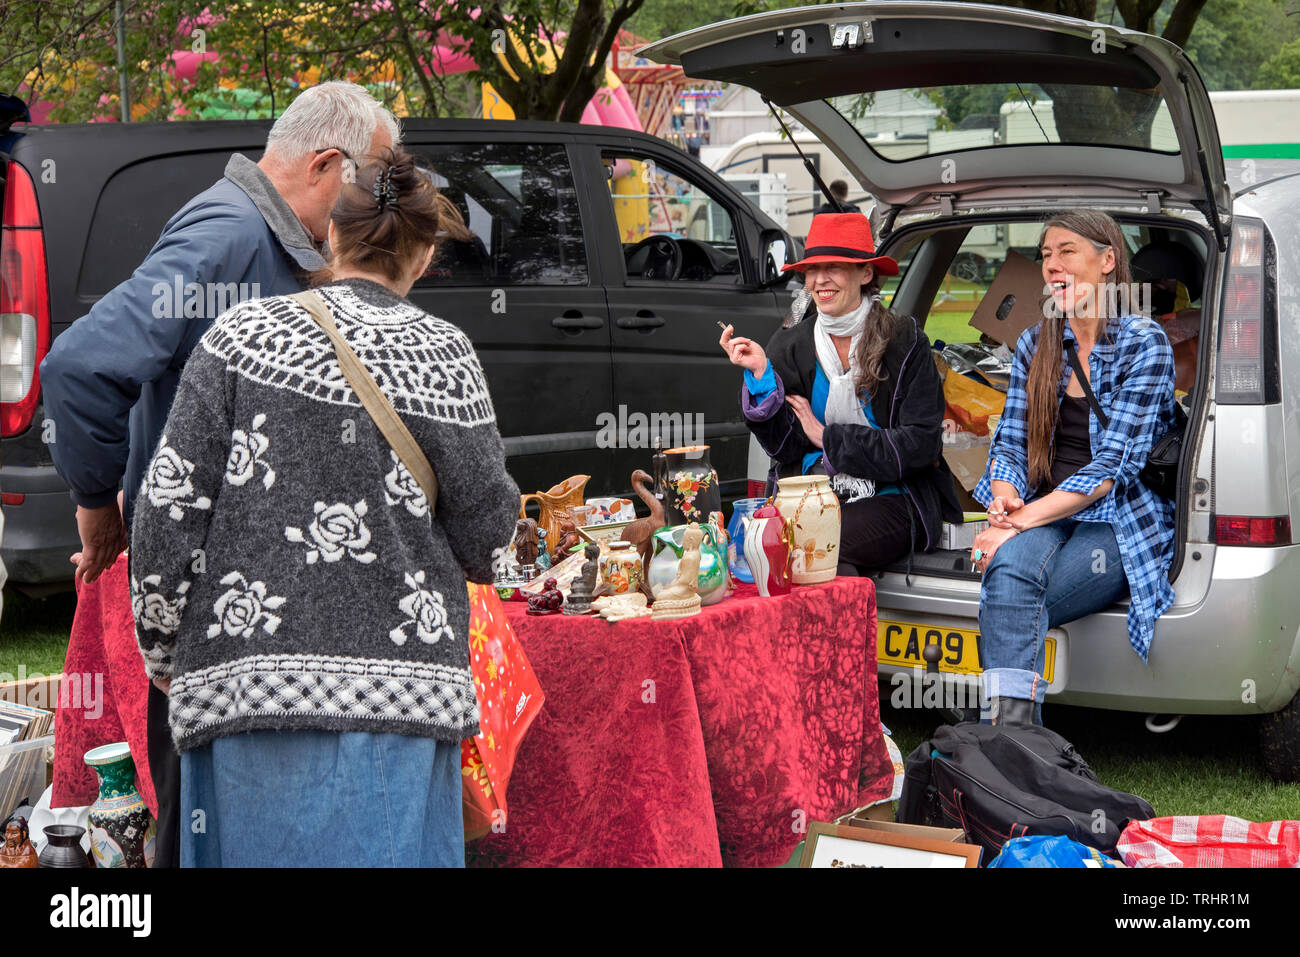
{"type": "Point", "coordinates": [1131, 370]}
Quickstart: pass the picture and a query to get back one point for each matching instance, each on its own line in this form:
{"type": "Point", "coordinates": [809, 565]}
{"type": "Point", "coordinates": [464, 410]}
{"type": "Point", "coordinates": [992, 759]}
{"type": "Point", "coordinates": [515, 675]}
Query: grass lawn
{"type": "Point", "coordinates": [1207, 765]}
{"type": "Point", "coordinates": [34, 633]}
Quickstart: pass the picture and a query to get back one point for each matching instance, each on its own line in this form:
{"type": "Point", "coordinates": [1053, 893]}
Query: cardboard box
{"type": "Point", "coordinates": [962, 536]}
{"type": "Point", "coordinates": [1014, 301]}
{"type": "Point", "coordinates": [967, 467]}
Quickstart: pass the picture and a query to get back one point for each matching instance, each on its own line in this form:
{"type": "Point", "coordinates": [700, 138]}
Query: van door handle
{"type": "Point", "coordinates": [573, 322]}
{"type": "Point", "coordinates": [644, 320]}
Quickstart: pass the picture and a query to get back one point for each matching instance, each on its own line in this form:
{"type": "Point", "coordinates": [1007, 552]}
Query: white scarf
{"type": "Point", "coordinates": [842, 404]}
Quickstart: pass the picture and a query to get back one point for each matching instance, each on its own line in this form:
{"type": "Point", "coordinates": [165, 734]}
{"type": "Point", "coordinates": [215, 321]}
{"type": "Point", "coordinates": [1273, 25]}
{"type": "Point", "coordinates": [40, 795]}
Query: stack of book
{"type": "Point", "coordinates": [22, 769]}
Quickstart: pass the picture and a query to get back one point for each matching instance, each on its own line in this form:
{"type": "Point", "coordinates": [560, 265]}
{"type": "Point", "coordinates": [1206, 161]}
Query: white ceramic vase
{"type": "Point", "coordinates": [814, 515]}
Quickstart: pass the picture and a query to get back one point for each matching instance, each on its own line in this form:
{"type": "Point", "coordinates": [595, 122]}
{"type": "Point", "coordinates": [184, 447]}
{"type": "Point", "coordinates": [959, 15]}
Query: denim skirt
{"type": "Point", "coordinates": [322, 799]}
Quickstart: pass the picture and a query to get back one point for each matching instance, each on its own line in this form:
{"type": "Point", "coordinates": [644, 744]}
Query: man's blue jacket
{"type": "Point", "coordinates": [110, 379]}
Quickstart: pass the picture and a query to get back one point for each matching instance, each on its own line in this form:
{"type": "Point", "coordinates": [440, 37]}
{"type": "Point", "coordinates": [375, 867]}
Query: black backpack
{"type": "Point", "coordinates": [1005, 781]}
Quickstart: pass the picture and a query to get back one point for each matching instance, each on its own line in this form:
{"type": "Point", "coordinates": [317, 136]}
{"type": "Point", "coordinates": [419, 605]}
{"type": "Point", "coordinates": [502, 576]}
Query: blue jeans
{"type": "Point", "coordinates": [1039, 579]}
{"type": "Point", "coordinates": [322, 799]}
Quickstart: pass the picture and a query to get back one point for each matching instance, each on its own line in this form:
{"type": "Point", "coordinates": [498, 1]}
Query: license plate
{"type": "Point", "coordinates": [901, 643]}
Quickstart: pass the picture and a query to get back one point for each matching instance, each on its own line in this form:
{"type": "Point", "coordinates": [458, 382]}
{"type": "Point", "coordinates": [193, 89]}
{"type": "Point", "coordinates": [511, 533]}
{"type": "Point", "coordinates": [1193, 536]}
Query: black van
{"type": "Point", "coordinates": [603, 258]}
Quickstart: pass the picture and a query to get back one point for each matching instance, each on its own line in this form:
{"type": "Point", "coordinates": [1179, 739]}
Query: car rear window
{"type": "Point", "coordinates": [134, 206]}
{"type": "Point", "coordinates": [901, 125]}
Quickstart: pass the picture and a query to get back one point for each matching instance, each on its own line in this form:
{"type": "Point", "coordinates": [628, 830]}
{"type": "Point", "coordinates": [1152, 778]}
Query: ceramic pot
{"type": "Point", "coordinates": [64, 847]}
{"type": "Point", "coordinates": [691, 489]}
{"type": "Point", "coordinates": [766, 545]}
{"type": "Point", "coordinates": [612, 510]}
{"type": "Point", "coordinates": [743, 508]}
{"type": "Point", "coordinates": [554, 504]}
{"type": "Point", "coordinates": [620, 568]}
{"type": "Point", "coordinates": [121, 828]}
{"type": "Point", "coordinates": [812, 509]}
{"type": "Point", "coordinates": [713, 578]}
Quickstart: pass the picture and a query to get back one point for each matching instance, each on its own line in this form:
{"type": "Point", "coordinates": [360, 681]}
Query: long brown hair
{"type": "Point", "coordinates": [1044, 379]}
{"type": "Point", "coordinates": [385, 228]}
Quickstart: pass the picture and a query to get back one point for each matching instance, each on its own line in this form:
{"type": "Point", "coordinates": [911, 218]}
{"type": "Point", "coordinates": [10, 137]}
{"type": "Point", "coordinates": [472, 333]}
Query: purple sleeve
{"type": "Point", "coordinates": [760, 410]}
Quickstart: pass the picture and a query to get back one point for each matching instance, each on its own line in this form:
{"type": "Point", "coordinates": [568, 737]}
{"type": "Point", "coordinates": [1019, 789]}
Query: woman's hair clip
{"type": "Point", "coordinates": [384, 191]}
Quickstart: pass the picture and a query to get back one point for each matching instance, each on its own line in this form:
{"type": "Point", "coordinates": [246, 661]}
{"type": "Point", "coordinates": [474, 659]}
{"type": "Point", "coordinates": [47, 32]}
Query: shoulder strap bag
{"type": "Point", "coordinates": [373, 399]}
{"type": "Point", "coordinates": [1160, 474]}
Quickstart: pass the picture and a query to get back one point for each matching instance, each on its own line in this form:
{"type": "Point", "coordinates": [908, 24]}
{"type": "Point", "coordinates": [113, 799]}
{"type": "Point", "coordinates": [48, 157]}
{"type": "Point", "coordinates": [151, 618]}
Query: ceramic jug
{"type": "Point", "coordinates": [812, 509]}
{"type": "Point", "coordinates": [766, 545]}
{"type": "Point", "coordinates": [555, 503]}
{"type": "Point", "coordinates": [713, 578]}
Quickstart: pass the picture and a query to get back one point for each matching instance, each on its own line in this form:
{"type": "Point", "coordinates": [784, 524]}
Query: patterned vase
{"type": "Point", "coordinates": [713, 578]}
{"type": "Point", "coordinates": [692, 492]}
{"type": "Point", "coordinates": [121, 828]}
{"type": "Point", "coordinates": [813, 511]}
{"type": "Point", "coordinates": [766, 544]}
{"type": "Point", "coordinates": [620, 568]}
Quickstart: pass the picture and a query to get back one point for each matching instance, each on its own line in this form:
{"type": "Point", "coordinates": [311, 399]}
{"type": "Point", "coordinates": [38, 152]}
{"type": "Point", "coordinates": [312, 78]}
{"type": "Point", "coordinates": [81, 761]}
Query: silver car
{"type": "Point", "coordinates": [1060, 113]}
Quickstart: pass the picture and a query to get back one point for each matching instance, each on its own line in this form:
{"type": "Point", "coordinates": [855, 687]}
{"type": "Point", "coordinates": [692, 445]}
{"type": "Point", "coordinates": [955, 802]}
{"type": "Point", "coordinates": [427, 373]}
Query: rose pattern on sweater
{"type": "Point", "coordinates": [401, 488]}
{"type": "Point", "coordinates": [425, 609]}
{"type": "Point", "coordinates": [243, 608]}
{"type": "Point", "coordinates": [152, 609]}
{"type": "Point", "coordinates": [168, 482]}
{"type": "Point", "coordinates": [246, 451]}
{"type": "Point", "coordinates": [337, 530]}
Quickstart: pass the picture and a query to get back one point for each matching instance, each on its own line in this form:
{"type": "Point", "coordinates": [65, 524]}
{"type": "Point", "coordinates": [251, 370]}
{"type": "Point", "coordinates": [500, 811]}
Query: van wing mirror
{"type": "Point", "coordinates": [775, 249]}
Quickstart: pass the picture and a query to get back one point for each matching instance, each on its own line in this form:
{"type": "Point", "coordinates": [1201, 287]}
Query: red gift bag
{"type": "Point", "coordinates": [509, 697]}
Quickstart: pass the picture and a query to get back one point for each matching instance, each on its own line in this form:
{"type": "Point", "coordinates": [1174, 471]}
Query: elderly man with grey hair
{"type": "Point", "coordinates": [109, 381]}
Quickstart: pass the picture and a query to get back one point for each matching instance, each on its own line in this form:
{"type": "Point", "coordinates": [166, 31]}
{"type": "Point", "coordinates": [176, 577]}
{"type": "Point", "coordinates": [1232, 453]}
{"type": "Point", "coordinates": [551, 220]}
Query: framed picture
{"type": "Point", "coordinates": [835, 845]}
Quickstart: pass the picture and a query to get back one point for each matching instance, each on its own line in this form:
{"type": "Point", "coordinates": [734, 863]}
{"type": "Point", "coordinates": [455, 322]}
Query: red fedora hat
{"type": "Point", "coordinates": [843, 238]}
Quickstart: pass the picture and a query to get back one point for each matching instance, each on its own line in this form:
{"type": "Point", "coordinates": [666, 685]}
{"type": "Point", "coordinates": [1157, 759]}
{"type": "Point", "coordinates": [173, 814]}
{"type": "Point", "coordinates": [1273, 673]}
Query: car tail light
{"type": "Point", "coordinates": [24, 302]}
{"type": "Point", "coordinates": [755, 489]}
{"type": "Point", "coordinates": [1248, 353]}
{"type": "Point", "coordinates": [1252, 530]}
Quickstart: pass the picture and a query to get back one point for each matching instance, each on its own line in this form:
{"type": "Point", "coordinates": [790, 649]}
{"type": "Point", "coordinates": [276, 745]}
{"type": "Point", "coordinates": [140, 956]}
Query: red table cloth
{"type": "Point", "coordinates": [701, 741]}
{"type": "Point", "coordinates": [101, 652]}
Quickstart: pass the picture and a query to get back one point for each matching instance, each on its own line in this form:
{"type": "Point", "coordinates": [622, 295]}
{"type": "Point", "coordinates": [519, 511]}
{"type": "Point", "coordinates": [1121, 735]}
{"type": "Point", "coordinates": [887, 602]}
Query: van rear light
{"type": "Point", "coordinates": [1252, 530]}
{"type": "Point", "coordinates": [12, 498]}
{"type": "Point", "coordinates": [1247, 369]}
{"type": "Point", "coordinates": [24, 302]}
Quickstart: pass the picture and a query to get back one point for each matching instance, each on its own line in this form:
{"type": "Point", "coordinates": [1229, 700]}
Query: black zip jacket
{"type": "Point", "coordinates": [907, 450]}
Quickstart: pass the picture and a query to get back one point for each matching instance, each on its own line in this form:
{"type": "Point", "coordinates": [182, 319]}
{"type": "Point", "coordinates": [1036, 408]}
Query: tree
{"type": "Point", "coordinates": [1282, 70]}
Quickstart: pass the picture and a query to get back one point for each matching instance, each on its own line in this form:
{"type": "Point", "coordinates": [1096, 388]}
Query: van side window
{"type": "Point", "coordinates": [669, 226]}
{"type": "Point", "coordinates": [519, 201]}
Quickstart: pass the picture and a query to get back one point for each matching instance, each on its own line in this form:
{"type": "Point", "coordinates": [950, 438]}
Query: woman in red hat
{"type": "Point", "coordinates": [848, 389]}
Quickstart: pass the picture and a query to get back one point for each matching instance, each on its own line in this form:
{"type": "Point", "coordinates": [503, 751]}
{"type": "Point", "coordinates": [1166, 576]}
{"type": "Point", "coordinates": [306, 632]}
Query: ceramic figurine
{"type": "Point", "coordinates": [668, 551]}
{"type": "Point", "coordinates": [580, 594]}
{"type": "Point", "coordinates": [640, 533]}
{"type": "Point", "coordinates": [813, 511]}
{"type": "Point", "coordinates": [692, 490]}
{"type": "Point", "coordinates": [548, 602]}
{"type": "Point", "coordinates": [618, 607]}
{"type": "Point", "coordinates": [543, 556]}
{"type": "Point", "coordinates": [64, 847]}
{"type": "Point", "coordinates": [17, 850]}
{"type": "Point", "coordinates": [680, 599]}
{"type": "Point", "coordinates": [525, 542]}
{"type": "Point", "coordinates": [553, 503]}
{"type": "Point", "coordinates": [766, 545]}
{"type": "Point", "coordinates": [566, 539]}
{"type": "Point", "coordinates": [121, 827]}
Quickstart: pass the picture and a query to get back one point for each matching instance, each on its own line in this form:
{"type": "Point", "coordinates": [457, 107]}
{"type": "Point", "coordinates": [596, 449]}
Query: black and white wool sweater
{"type": "Point", "coordinates": [285, 570]}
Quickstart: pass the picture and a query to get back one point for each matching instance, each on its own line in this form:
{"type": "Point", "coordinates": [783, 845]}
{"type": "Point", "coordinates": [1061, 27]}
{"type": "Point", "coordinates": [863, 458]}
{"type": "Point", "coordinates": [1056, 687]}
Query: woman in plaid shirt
{"type": "Point", "coordinates": [1072, 529]}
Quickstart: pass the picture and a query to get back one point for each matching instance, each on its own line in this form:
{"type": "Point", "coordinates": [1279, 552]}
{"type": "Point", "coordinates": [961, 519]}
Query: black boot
{"type": "Point", "coordinates": [1012, 711]}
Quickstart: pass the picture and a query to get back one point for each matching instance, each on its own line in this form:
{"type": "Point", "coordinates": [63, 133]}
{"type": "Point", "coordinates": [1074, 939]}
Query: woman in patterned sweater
{"type": "Point", "coordinates": [294, 594]}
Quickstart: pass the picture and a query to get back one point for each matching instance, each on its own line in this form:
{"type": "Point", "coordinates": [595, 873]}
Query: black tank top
{"type": "Point", "coordinates": [1071, 449]}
